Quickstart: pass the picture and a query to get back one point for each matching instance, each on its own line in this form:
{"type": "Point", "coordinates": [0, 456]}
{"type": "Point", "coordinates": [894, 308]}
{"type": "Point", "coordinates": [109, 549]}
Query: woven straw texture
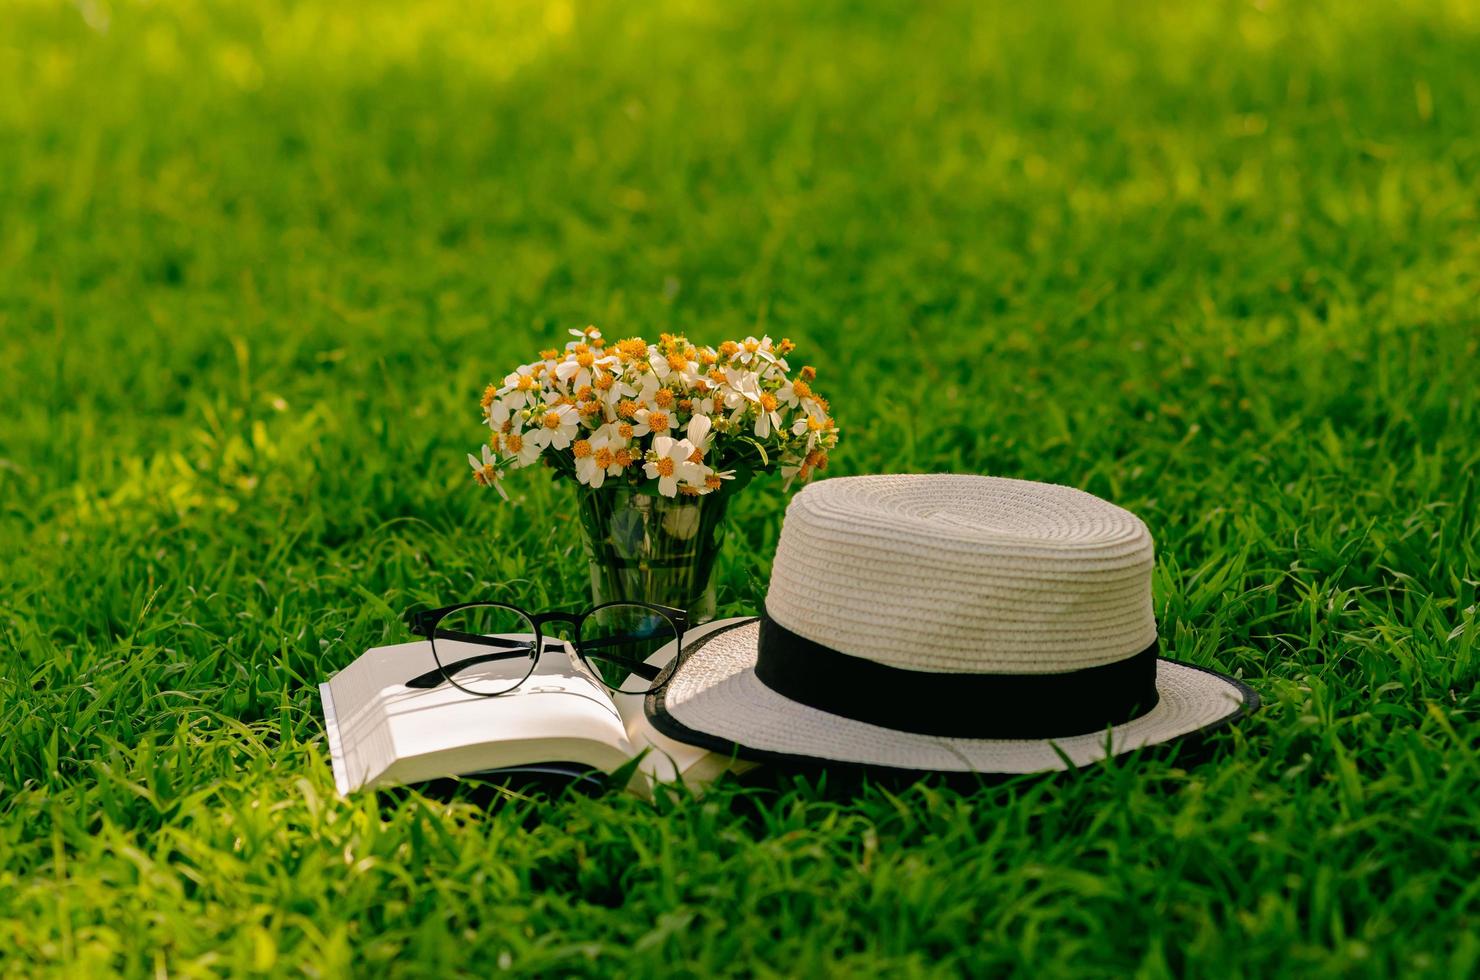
{"type": "Point", "coordinates": [961, 574]}
{"type": "Point", "coordinates": [717, 693]}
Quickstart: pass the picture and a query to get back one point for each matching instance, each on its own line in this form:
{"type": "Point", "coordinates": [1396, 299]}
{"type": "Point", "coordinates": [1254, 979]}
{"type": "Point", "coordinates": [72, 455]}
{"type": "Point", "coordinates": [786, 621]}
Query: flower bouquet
{"type": "Point", "coordinates": [659, 437]}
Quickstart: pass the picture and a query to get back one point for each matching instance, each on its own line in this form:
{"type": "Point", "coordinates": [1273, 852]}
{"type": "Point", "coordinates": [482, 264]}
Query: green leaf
{"type": "Point", "coordinates": [765, 457]}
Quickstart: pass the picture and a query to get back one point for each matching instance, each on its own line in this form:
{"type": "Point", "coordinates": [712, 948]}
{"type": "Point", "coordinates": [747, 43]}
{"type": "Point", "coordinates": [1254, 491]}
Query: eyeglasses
{"type": "Point", "coordinates": [490, 648]}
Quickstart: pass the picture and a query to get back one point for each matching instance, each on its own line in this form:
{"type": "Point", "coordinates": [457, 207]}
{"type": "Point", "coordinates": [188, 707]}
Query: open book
{"type": "Point", "coordinates": [384, 733]}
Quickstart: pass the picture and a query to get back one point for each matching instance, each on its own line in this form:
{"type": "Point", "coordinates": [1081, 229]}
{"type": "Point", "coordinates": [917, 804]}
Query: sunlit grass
{"type": "Point", "coordinates": [1216, 262]}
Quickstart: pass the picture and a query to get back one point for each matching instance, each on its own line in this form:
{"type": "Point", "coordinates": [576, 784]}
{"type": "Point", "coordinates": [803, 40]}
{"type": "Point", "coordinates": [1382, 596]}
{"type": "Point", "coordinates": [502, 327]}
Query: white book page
{"type": "Point", "coordinates": [386, 733]}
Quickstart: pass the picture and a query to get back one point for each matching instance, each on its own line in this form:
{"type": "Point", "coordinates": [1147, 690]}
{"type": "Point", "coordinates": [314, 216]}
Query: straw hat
{"type": "Point", "coordinates": [955, 623]}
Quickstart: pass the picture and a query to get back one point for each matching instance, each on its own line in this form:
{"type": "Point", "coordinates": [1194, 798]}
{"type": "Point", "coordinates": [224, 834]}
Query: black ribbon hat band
{"type": "Point", "coordinates": [955, 705]}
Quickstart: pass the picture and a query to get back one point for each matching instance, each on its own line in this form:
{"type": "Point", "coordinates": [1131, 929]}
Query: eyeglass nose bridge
{"type": "Point", "coordinates": [564, 618]}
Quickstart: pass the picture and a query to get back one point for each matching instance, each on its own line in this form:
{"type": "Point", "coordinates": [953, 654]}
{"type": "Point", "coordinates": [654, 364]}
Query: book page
{"type": "Point", "coordinates": [385, 732]}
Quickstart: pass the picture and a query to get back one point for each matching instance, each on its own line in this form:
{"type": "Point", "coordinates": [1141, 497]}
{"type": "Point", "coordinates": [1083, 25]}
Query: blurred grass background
{"type": "Point", "coordinates": [1216, 262]}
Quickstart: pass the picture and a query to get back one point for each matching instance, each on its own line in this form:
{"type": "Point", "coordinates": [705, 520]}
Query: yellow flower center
{"type": "Point", "coordinates": [697, 456]}
{"type": "Point", "coordinates": [678, 362]}
{"type": "Point", "coordinates": [604, 457]}
{"type": "Point", "coordinates": [658, 421]}
{"type": "Point", "coordinates": [583, 392]}
{"type": "Point", "coordinates": [814, 424]}
{"type": "Point", "coordinates": [604, 382]}
{"type": "Point", "coordinates": [632, 348]}
{"type": "Point", "coordinates": [527, 382]}
{"type": "Point", "coordinates": [585, 359]}
{"type": "Point", "coordinates": [626, 408]}
{"type": "Point", "coordinates": [550, 355]}
{"type": "Point", "coordinates": [665, 466]}
{"type": "Point", "coordinates": [589, 408]}
{"type": "Point", "coordinates": [551, 420]}
{"type": "Point", "coordinates": [489, 394]}
{"type": "Point", "coordinates": [624, 457]}
{"type": "Point", "coordinates": [801, 389]}
{"type": "Point", "coordinates": [625, 431]}
{"type": "Point", "coordinates": [579, 349]}
{"type": "Point", "coordinates": [513, 442]}
{"type": "Point", "coordinates": [581, 448]}
{"type": "Point", "coordinates": [664, 398]}
{"type": "Point", "coordinates": [751, 346]}
{"type": "Point", "coordinates": [768, 402]}
{"type": "Point", "coordinates": [713, 482]}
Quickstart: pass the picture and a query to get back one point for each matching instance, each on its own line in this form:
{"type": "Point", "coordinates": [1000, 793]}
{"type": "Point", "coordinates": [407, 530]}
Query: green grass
{"type": "Point", "coordinates": [1216, 262]}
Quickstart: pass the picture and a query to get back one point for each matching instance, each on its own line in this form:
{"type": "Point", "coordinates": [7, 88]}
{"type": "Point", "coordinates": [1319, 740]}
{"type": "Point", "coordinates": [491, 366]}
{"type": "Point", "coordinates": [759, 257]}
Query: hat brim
{"type": "Point", "coordinates": [714, 700]}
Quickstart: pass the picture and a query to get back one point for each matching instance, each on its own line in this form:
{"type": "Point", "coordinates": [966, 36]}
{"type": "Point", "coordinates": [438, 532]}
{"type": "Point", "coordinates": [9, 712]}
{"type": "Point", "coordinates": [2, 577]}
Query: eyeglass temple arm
{"type": "Point", "coordinates": [433, 678]}
{"type": "Point", "coordinates": [641, 668]}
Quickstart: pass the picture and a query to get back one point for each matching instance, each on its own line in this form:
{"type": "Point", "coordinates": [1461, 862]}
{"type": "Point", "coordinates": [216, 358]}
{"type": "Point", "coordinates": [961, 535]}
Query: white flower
{"type": "Point", "coordinates": [611, 434]}
{"type": "Point", "coordinates": [813, 428]}
{"type": "Point", "coordinates": [619, 390]}
{"type": "Point", "coordinates": [596, 457]}
{"type": "Point", "coordinates": [704, 404]}
{"type": "Point", "coordinates": [754, 351]}
{"type": "Point", "coordinates": [587, 470]}
{"type": "Point", "coordinates": [577, 369]}
{"type": "Point", "coordinates": [740, 389]}
{"type": "Point", "coordinates": [794, 393]}
{"type": "Point", "coordinates": [501, 418]}
{"type": "Point", "coordinates": [652, 420]}
{"type": "Point", "coordinates": [583, 337]}
{"type": "Point", "coordinates": [665, 367]}
{"type": "Point", "coordinates": [520, 387]}
{"type": "Point", "coordinates": [556, 427]}
{"type": "Point", "coordinates": [669, 463]}
{"type": "Point", "coordinates": [485, 471]}
{"type": "Point", "coordinates": [767, 419]}
{"type": "Point", "coordinates": [521, 448]}
{"type": "Point", "coordinates": [697, 430]}
{"type": "Point", "coordinates": [645, 379]}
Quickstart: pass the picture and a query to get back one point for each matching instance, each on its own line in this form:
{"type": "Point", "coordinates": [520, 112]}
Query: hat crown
{"type": "Point", "coordinates": [964, 574]}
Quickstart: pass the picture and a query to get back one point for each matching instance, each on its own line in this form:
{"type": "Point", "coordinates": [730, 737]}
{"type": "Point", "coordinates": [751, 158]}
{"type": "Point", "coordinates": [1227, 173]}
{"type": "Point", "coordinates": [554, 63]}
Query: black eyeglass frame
{"type": "Point", "coordinates": [423, 623]}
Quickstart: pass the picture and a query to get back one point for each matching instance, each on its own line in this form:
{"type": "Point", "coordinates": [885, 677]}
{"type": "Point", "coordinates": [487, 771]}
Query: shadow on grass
{"type": "Point", "coordinates": [537, 786]}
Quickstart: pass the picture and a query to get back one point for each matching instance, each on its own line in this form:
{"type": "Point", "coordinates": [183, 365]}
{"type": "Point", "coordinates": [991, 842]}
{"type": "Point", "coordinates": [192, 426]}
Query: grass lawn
{"type": "Point", "coordinates": [1217, 262]}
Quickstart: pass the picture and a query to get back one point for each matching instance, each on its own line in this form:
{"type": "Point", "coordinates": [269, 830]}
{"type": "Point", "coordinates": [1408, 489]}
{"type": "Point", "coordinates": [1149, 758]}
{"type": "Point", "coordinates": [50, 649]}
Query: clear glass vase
{"type": "Point", "coordinates": [648, 548]}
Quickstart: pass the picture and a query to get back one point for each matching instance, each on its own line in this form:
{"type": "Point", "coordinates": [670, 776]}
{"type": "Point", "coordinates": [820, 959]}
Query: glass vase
{"type": "Point", "coordinates": [648, 548]}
